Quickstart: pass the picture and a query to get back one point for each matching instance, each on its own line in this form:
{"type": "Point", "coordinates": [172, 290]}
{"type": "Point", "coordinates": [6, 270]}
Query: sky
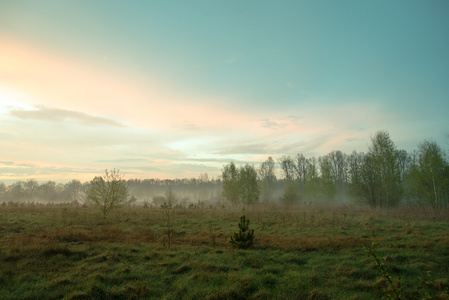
{"type": "Point", "coordinates": [172, 89]}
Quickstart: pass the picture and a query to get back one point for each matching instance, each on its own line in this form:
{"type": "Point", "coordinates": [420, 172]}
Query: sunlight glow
{"type": "Point", "coordinates": [10, 99]}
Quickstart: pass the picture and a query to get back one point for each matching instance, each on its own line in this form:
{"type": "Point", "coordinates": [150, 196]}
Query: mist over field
{"type": "Point", "coordinates": [384, 176]}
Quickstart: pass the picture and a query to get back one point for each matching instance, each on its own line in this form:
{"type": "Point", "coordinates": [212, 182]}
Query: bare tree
{"type": "Point", "coordinates": [291, 189]}
{"type": "Point", "coordinates": [339, 167]}
{"type": "Point", "coordinates": [312, 179]}
{"type": "Point", "coordinates": [108, 192]}
{"type": "Point", "coordinates": [327, 177]}
{"type": "Point", "coordinates": [301, 167]}
{"type": "Point", "coordinates": [288, 167]}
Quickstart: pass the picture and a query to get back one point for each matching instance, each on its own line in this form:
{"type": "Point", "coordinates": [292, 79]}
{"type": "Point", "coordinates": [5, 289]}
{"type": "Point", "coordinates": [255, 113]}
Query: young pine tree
{"type": "Point", "coordinates": [245, 237]}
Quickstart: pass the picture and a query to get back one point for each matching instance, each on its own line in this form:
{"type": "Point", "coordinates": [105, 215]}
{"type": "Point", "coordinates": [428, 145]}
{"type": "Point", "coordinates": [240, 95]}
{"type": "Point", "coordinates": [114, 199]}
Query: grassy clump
{"type": "Point", "coordinates": [301, 252]}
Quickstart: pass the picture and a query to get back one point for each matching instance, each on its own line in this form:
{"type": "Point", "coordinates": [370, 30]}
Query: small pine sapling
{"type": "Point", "coordinates": [245, 237]}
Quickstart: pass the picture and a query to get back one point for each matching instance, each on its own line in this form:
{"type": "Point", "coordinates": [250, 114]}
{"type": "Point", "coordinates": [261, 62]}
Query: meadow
{"type": "Point", "coordinates": [299, 252]}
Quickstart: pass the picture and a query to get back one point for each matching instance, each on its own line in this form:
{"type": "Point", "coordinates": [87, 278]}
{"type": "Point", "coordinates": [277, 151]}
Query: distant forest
{"type": "Point", "coordinates": [384, 176]}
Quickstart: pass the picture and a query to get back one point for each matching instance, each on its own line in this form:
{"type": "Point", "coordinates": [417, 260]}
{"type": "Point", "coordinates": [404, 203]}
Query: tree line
{"type": "Point", "coordinates": [384, 176]}
{"type": "Point", "coordinates": [202, 188]}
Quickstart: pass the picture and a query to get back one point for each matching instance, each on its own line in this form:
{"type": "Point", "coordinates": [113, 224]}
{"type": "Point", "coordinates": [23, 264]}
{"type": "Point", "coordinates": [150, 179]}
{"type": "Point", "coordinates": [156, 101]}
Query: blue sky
{"type": "Point", "coordinates": [177, 88]}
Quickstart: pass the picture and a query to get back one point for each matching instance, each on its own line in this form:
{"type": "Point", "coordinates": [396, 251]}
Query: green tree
{"type": "Point", "coordinates": [428, 179]}
{"type": "Point", "coordinates": [231, 183]}
{"type": "Point", "coordinates": [367, 183]}
{"type": "Point", "coordinates": [404, 162]}
{"type": "Point", "coordinates": [384, 155]}
{"type": "Point", "coordinates": [249, 188]}
{"type": "Point", "coordinates": [291, 192]}
{"type": "Point", "coordinates": [107, 192]}
{"type": "Point", "coordinates": [376, 176]}
{"type": "Point", "coordinates": [354, 162]}
{"type": "Point", "coordinates": [240, 185]}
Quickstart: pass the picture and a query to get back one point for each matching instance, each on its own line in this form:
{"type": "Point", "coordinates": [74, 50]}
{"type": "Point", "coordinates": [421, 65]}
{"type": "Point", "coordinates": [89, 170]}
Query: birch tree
{"type": "Point", "coordinates": [428, 180]}
{"type": "Point", "coordinates": [384, 155]}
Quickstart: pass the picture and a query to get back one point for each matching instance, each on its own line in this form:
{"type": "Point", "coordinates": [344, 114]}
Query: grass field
{"type": "Point", "coordinates": [300, 252]}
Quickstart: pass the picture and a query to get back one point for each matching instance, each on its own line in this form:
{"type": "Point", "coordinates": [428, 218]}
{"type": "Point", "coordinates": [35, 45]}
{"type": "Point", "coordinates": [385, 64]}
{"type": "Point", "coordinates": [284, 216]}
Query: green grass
{"type": "Point", "coordinates": [300, 252]}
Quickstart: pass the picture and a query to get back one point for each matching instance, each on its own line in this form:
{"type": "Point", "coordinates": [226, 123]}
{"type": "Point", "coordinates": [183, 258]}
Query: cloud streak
{"type": "Point", "coordinates": [62, 115]}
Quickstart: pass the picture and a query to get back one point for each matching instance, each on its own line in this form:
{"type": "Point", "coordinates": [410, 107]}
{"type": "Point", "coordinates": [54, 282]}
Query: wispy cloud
{"type": "Point", "coordinates": [222, 160]}
{"type": "Point", "coordinates": [295, 118]}
{"type": "Point", "coordinates": [190, 126]}
{"type": "Point", "coordinates": [61, 115]}
{"type": "Point", "coordinates": [125, 160]}
{"type": "Point", "coordinates": [281, 123]}
{"type": "Point", "coordinates": [267, 123]}
{"type": "Point", "coordinates": [244, 147]}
